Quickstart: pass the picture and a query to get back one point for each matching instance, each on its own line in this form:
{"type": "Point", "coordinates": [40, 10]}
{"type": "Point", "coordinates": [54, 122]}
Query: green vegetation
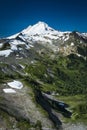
{"type": "Point", "coordinates": [78, 106]}
{"type": "Point", "coordinates": [6, 72]}
{"type": "Point", "coordinates": [24, 125]}
{"type": "Point", "coordinates": [64, 75]}
{"type": "Point", "coordinates": [82, 49]}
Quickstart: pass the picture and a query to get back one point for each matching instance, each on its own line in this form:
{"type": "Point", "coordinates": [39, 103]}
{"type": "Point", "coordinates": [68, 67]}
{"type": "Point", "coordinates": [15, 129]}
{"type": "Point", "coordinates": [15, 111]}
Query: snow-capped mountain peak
{"type": "Point", "coordinates": [40, 32]}
{"type": "Point", "coordinates": [39, 28]}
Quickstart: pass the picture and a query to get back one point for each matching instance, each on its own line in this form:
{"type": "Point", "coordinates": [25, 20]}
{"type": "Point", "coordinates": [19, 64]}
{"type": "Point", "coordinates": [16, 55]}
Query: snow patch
{"type": "Point", "coordinates": [27, 47]}
{"type": "Point", "coordinates": [67, 38]}
{"type": "Point", "coordinates": [9, 90]}
{"type": "Point", "coordinates": [78, 55]}
{"type": "Point", "coordinates": [13, 47]}
{"type": "Point", "coordinates": [31, 45]}
{"type": "Point", "coordinates": [85, 34]}
{"type": "Point", "coordinates": [15, 84]}
{"type": "Point", "coordinates": [15, 43]}
{"type": "Point", "coordinates": [19, 58]}
{"type": "Point", "coordinates": [1, 45]}
{"type": "Point", "coordinates": [5, 53]}
{"type": "Point", "coordinates": [72, 44]}
{"type": "Point", "coordinates": [23, 67]}
{"type": "Point", "coordinates": [32, 62]}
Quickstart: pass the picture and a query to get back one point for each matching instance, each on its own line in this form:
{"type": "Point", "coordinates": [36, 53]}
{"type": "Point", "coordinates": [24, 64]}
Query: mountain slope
{"type": "Point", "coordinates": [51, 65]}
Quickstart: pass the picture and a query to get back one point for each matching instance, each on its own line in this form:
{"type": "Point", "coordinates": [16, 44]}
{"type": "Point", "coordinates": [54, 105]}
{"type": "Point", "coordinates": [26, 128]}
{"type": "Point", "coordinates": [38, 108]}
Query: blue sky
{"type": "Point", "coordinates": [63, 15]}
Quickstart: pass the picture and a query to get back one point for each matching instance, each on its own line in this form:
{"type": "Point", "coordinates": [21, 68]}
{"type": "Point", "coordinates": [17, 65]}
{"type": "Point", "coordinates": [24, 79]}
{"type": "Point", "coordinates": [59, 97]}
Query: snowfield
{"type": "Point", "coordinates": [15, 84]}
{"type": "Point", "coordinates": [42, 32]}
